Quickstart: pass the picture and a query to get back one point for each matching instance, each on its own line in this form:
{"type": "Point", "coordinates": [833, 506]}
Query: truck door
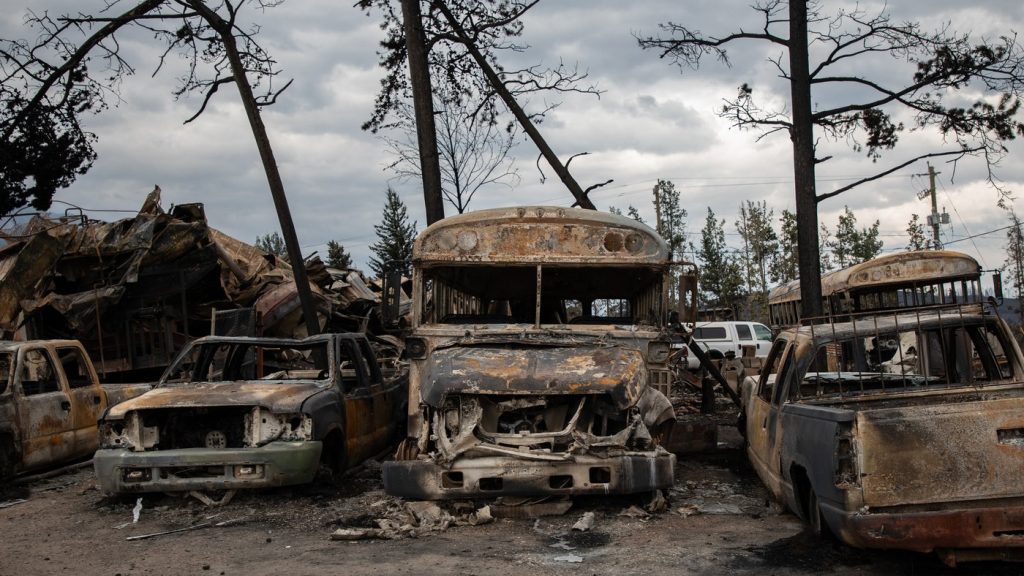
{"type": "Point", "coordinates": [763, 337]}
{"type": "Point", "coordinates": [763, 421]}
{"type": "Point", "coordinates": [87, 403]}
{"type": "Point", "coordinates": [744, 337]}
{"type": "Point", "coordinates": [44, 410]}
{"type": "Point", "coordinates": [359, 413]}
{"type": "Point", "coordinates": [383, 408]}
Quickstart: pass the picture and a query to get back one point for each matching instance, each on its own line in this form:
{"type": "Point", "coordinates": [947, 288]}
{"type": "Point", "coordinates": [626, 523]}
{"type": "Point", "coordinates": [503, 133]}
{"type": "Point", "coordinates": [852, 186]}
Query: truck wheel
{"type": "Point", "coordinates": [333, 460]}
{"type": "Point", "coordinates": [814, 518]}
{"type": "Point", "coordinates": [7, 459]}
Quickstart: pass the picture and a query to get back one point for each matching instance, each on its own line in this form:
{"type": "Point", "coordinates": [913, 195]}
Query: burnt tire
{"type": "Point", "coordinates": [8, 459]}
{"type": "Point", "coordinates": [815, 521]}
{"type": "Point", "coordinates": [333, 460]}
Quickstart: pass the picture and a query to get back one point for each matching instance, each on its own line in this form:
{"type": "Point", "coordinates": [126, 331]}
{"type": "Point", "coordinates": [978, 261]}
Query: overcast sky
{"type": "Point", "coordinates": [652, 121]}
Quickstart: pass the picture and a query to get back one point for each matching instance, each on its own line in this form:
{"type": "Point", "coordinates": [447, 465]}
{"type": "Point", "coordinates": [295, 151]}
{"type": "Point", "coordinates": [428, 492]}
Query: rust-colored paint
{"type": "Point", "coordinates": [526, 235]}
{"type": "Point", "coordinates": [998, 525]}
{"type": "Point", "coordinates": [548, 370]}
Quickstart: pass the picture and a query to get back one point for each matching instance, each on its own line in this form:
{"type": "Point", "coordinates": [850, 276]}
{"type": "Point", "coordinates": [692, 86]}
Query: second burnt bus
{"type": "Point", "coordinates": [537, 357]}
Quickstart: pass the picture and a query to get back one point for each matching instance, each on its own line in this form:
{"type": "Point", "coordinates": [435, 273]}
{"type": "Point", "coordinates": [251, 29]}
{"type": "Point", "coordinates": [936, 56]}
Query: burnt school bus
{"type": "Point", "coordinates": [891, 282]}
{"type": "Point", "coordinates": [538, 357]}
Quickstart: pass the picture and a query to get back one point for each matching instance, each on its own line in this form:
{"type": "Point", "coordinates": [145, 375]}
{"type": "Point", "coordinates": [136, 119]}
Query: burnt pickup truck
{"type": "Point", "coordinates": [236, 412]}
{"type": "Point", "coordinates": [901, 430]}
{"type": "Point", "coordinates": [50, 400]}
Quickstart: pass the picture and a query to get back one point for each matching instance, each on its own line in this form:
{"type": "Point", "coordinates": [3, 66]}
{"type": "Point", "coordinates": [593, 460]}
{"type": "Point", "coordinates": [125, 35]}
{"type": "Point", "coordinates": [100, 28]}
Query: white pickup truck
{"type": "Point", "coordinates": [719, 338]}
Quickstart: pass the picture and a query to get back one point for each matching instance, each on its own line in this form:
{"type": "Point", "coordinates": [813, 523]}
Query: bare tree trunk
{"type": "Point", "coordinates": [423, 105]}
{"type": "Point", "coordinates": [802, 134]}
{"type": "Point", "coordinates": [259, 132]}
{"type": "Point", "coordinates": [517, 111]}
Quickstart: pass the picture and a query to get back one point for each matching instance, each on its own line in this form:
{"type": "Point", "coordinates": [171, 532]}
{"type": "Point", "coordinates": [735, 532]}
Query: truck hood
{"type": "Point", "coordinates": [536, 370]}
{"type": "Point", "coordinates": [276, 396]}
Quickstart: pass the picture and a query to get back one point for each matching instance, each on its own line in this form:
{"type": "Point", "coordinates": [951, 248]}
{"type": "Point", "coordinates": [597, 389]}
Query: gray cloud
{"type": "Point", "coordinates": [653, 121]}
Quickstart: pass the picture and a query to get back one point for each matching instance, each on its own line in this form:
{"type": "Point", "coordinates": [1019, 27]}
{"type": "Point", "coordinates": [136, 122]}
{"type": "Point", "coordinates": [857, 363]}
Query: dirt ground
{"type": "Point", "coordinates": [719, 521]}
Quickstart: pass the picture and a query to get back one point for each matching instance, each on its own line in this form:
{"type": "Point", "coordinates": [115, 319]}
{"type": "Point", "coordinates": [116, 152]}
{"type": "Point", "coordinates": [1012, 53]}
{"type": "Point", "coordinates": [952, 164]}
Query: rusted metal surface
{"type": "Point", "coordinates": [50, 401]}
{"type": "Point", "coordinates": [539, 234]}
{"type": "Point", "coordinates": [617, 372]}
{"type": "Point", "coordinates": [900, 268]}
{"type": "Point", "coordinates": [281, 396]}
{"type": "Point", "coordinates": [965, 458]}
{"type": "Point", "coordinates": [982, 525]}
{"type": "Point", "coordinates": [907, 428]}
{"type": "Point", "coordinates": [241, 412]}
{"type": "Point", "coordinates": [510, 476]}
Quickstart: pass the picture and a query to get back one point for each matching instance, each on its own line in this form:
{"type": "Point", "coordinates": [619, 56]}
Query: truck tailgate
{"type": "Point", "coordinates": [942, 452]}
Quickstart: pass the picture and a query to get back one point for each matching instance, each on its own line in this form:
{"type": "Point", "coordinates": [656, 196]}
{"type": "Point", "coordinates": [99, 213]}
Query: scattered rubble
{"type": "Point", "coordinates": [586, 522]}
{"type": "Point", "coordinates": [415, 519]}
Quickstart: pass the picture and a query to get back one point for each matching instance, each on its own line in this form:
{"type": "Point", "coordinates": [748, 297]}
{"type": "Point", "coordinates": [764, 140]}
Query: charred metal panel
{"type": "Point", "coordinates": [618, 372]}
{"type": "Point", "coordinates": [941, 453]}
{"type": "Point", "coordinates": [280, 396]}
{"type": "Point", "coordinates": [22, 267]}
{"type": "Point", "coordinates": [492, 476]}
{"type": "Point", "coordinates": [968, 526]}
{"type": "Point", "coordinates": [526, 234]}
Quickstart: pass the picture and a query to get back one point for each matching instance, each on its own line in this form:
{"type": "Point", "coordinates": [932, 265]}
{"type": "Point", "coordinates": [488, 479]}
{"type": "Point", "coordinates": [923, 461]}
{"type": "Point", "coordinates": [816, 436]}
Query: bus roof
{"type": "Point", "coordinates": [917, 267]}
{"type": "Point", "coordinates": [539, 234]}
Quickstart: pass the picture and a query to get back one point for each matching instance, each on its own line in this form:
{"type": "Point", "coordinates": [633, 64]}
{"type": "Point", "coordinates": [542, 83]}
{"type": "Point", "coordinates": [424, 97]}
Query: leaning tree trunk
{"type": "Point", "coordinates": [423, 105]}
{"type": "Point", "coordinates": [517, 111]}
{"type": "Point", "coordinates": [259, 132]}
{"type": "Point", "coordinates": [802, 134]}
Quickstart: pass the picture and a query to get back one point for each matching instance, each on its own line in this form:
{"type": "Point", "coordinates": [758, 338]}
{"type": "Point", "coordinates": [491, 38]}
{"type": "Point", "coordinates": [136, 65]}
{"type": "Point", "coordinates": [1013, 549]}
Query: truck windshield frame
{"type": "Point", "coordinates": [234, 361]}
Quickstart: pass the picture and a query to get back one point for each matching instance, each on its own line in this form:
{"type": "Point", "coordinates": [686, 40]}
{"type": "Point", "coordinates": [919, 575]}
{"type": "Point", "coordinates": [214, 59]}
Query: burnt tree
{"type": "Point", "coordinates": [51, 75]}
{"type": "Point", "coordinates": [462, 40]}
{"type": "Point", "coordinates": [941, 64]}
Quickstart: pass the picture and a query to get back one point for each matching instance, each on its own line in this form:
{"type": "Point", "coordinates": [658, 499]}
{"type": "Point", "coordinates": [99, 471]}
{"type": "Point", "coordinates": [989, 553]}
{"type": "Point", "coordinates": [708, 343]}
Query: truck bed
{"type": "Point", "coordinates": [936, 446]}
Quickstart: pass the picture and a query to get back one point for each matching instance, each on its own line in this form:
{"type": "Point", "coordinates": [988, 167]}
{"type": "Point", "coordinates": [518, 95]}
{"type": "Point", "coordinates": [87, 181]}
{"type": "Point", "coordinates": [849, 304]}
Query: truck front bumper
{"type": "Point", "coordinates": [960, 528]}
{"type": "Point", "coordinates": [275, 464]}
{"type": "Point", "coordinates": [508, 476]}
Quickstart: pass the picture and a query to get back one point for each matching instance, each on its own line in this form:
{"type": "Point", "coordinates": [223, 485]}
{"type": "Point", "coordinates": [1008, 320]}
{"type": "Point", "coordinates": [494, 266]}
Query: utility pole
{"type": "Point", "coordinates": [934, 219]}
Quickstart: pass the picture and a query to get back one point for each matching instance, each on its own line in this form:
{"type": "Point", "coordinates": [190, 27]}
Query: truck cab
{"type": "Point", "coordinates": [50, 400]}
{"type": "Point", "coordinates": [240, 412]}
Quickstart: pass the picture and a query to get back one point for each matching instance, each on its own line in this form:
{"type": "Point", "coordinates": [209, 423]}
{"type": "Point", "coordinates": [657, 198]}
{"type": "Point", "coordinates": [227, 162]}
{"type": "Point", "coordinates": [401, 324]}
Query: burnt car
{"type": "Point", "coordinates": [234, 412]}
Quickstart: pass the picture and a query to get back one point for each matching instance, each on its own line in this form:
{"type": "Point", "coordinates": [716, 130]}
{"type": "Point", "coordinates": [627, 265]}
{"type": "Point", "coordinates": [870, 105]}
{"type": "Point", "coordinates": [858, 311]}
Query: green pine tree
{"type": "Point", "coordinates": [917, 239]}
{"type": "Point", "coordinates": [785, 265]}
{"type": "Point", "coordinates": [721, 274]}
{"type": "Point", "coordinates": [337, 256]}
{"type": "Point", "coordinates": [851, 245]}
{"type": "Point", "coordinates": [761, 245]}
{"type": "Point", "coordinates": [395, 237]}
{"type": "Point", "coordinates": [671, 226]}
{"type": "Point", "coordinates": [272, 243]}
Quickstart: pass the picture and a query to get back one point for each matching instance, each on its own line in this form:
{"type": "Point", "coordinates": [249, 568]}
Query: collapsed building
{"type": "Point", "coordinates": [136, 290]}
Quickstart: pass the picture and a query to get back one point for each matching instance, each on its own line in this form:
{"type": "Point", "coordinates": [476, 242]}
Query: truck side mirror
{"type": "Point", "coordinates": [997, 285]}
{"type": "Point", "coordinates": [392, 297]}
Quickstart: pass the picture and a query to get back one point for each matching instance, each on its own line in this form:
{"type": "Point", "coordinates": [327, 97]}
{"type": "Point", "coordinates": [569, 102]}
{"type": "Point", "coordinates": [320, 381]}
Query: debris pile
{"type": "Point", "coordinates": [136, 290]}
{"type": "Point", "coordinates": [415, 519]}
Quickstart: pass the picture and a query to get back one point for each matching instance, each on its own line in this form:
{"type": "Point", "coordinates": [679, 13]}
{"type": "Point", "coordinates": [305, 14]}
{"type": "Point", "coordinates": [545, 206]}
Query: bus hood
{"type": "Point", "coordinates": [617, 372]}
